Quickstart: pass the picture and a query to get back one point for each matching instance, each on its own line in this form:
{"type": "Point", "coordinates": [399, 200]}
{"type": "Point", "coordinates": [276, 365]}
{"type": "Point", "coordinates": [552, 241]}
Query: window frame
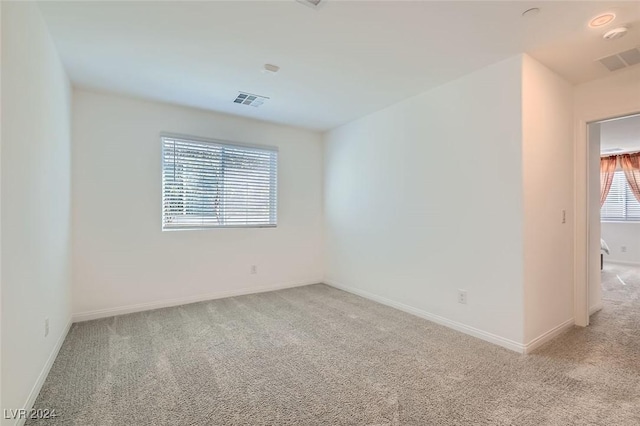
{"type": "Point", "coordinates": [231, 144]}
{"type": "Point", "coordinates": [628, 194]}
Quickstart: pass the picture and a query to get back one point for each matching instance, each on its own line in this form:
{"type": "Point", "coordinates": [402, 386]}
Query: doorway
{"type": "Point", "coordinates": [613, 270]}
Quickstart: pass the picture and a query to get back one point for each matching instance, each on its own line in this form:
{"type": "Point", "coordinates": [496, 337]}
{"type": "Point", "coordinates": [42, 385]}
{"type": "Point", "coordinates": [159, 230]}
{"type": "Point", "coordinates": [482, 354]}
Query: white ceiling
{"type": "Point", "coordinates": [575, 56]}
{"type": "Point", "coordinates": [623, 133]}
{"type": "Point", "coordinates": [338, 63]}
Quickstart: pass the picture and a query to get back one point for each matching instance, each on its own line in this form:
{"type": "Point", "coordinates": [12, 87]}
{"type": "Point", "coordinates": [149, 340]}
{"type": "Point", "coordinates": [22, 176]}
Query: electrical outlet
{"type": "Point", "coordinates": [46, 327]}
{"type": "Point", "coordinates": [623, 249]}
{"type": "Point", "coordinates": [462, 296]}
{"type": "Point", "coordinates": [564, 216]}
{"type": "Point", "coordinates": [254, 269]}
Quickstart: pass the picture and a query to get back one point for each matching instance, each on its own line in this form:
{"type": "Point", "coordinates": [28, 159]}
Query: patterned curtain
{"type": "Point", "coordinates": [631, 165]}
{"type": "Point", "coordinates": [607, 169]}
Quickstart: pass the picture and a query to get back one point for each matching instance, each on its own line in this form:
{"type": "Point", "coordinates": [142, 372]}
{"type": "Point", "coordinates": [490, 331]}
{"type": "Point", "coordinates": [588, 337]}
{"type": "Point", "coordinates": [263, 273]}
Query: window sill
{"type": "Point", "coordinates": [637, 222]}
{"type": "Point", "coordinates": [208, 228]}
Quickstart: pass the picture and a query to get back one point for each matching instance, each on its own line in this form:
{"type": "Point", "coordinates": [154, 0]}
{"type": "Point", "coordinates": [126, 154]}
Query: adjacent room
{"type": "Point", "coordinates": [619, 140]}
{"type": "Point", "coordinates": [319, 212]}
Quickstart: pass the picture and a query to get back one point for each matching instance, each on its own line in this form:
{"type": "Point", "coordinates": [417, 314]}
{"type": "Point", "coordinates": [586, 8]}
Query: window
{"type": "Point", "coordinates": [210, 184]}
{"type": "Point", "coordinates": [621, 204]}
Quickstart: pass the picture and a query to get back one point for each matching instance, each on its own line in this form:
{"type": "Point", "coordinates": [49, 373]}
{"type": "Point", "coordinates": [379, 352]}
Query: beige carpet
{"type": "Point", "coordinates": [319, 356]}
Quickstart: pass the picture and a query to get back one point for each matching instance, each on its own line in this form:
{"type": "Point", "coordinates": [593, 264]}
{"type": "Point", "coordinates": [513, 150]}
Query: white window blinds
{"type": "Point", "coordinates": [209, 184]}
{"type": "Point", "coordinates": [621, 204]}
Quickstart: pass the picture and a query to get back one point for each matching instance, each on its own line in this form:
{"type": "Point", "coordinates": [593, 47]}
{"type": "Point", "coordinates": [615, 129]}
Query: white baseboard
{"type": "Point", "coordinates": [620, 262]}
{"type": "Point", "coordinates": [37, 386]}
{"type": "Point", "coordinates": [549, 335]}
{"type": "Point", "coordinates": [121, 310]}
{"type": "Point", "coordinates": [595, 308]}
{"type": "Point", "coordinates": [472, 331]}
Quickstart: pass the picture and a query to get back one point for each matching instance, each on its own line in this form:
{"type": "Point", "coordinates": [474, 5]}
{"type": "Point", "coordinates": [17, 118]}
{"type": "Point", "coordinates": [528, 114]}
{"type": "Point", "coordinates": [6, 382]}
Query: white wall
{"type": "Point", "coordinates": [548, 189]}
{"type": "Point", "coordinates": [622, 234]}
{"type": "Point", "coordinates": [35, 179]}
{"type": "Point", "coordinates": [616, 95]}
{"type": "Point", "coordinates": [425, 197]}
{"type": "Point", "coordinates": [121, 256]}
{"type": "Point", "coordinates": [1, 49]}
{"type": "Point", "coordinates": [610, 96]}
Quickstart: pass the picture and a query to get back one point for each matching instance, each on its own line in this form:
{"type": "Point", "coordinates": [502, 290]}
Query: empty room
{"type": "Point", "coordinates": [319, 212]}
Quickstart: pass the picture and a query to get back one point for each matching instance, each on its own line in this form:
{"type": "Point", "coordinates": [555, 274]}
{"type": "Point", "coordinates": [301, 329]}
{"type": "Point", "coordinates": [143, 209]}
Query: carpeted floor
{"type": "Point", "coordinates": [319, 356]}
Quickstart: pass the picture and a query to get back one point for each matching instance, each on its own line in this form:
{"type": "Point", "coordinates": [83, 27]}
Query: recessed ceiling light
{"type": "Point", "coordinates": [531, 12]}
{"type": "Point", "coordinates": [270, 69]}
{"type": "Point", "coordinates": [311, 3]}
{"type": "Point", "coordinates": [602, 20]}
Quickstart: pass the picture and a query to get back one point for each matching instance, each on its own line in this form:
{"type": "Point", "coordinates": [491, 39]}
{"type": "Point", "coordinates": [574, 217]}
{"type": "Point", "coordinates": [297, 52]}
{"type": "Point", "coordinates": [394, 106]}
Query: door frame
{"type": "Point", "coordinates": [581, 204]}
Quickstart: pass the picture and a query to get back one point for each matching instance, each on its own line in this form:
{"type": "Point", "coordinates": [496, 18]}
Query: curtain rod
{"type": "Point", "coordinates": [637, 151]}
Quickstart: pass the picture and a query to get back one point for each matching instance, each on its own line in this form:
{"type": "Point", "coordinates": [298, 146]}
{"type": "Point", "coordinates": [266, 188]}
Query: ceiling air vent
{"type": "Point", "coordinates": [621, 59]}
{"type": "Point", "coordinates": [250, 99]}
{"type": "Point", "coordinates": [312, 3]}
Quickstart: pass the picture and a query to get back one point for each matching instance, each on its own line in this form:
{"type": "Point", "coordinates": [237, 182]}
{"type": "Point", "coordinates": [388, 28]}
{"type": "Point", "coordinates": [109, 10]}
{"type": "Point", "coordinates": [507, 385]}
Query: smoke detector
{"type": "Point", "coordinates": [621, 59]}
{"type": "Point", "coordinates": [615, 33]}
{"type": "Point", "coordinates": [250, 99]}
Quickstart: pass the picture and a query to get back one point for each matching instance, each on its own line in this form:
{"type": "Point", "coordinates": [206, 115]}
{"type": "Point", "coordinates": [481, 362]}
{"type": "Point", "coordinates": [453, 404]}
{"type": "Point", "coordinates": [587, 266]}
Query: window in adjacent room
{"type": "Point", "coordinates": [621, 204]}
{"type": "Point", "coordinates": [212, 184]}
